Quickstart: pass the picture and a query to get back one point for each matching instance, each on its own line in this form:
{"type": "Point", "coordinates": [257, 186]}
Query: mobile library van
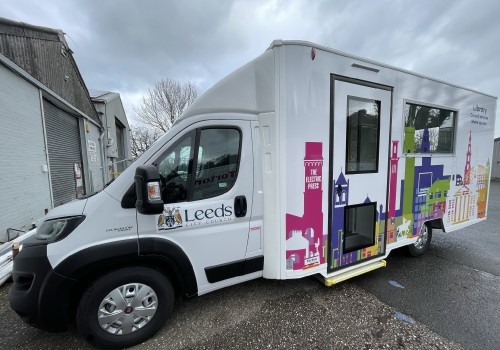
{"type": "Point", "coordinates": [305, 161]}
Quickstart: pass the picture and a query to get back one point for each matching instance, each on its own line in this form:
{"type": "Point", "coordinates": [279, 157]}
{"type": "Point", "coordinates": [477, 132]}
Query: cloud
{"type": "Point", "coordinates": [127, 46]}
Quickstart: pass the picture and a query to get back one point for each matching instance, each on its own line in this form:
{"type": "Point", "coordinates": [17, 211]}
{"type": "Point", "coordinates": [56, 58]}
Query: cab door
{"type": "Point", "coordinates": [360, 131]}
{"type": "Point", "coordinates": [206, 177]}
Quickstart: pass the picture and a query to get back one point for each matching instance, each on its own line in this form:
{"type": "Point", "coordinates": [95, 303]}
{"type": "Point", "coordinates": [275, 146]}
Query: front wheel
{"type": "Point", "coordinates": [423, 241]}
{"type": "Point", "coordinates": [125, 307]}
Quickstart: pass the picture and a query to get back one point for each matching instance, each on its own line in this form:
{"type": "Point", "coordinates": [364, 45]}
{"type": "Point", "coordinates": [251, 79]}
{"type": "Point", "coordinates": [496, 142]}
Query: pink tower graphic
{"type": "Point", "coordinates": [467, 173]}
{"type": "Point", "coordinates": [304, 235]}
{"type": "Point", "coordinates": [393, 179]}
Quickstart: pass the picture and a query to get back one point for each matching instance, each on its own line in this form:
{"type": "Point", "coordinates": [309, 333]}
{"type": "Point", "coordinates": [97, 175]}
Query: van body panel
{"type": "Point", "coordinates": [106, 222]}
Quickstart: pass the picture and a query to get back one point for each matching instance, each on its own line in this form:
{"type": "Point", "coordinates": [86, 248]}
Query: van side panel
{"type": "Point", "coordinates": [451, 187]}
{"type": "Point", "coordinates": [446, 187]}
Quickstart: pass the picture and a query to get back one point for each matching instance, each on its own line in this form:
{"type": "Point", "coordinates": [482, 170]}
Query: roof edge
{"type": "Point", "coordinates": [10, 22]}
{"type": "Point", "coordinates": [12, 66]}
{"type": "Point", "coordinates": [277, 43]}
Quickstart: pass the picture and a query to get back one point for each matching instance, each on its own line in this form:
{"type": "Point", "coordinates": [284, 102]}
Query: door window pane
{"type": "Point", "coordinates": [217, 165]}
{"type": "Point", "coordinates": [175, 170]}
{"type": "Point", "coordinates": [363, 121]}
{"type": "Point", "coordinates": [359, 226]}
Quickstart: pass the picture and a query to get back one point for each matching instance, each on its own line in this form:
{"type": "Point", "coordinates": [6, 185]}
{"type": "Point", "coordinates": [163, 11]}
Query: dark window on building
{"type": "Point", "coordinates": [120, 146]}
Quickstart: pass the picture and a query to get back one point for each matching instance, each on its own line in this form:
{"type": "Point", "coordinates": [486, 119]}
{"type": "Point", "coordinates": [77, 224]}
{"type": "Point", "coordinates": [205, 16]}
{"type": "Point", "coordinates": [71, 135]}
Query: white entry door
{"type": "Point", "coordinates": [359, 170]}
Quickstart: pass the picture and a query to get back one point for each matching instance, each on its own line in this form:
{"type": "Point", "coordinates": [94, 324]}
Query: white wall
{"type": "Point", "coordinates": [112, 110]}
{"type": "Point", "coordinates": [24, 187]}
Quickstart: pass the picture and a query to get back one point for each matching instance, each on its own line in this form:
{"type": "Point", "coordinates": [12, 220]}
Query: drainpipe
{"type": "Point", "coordinates": [104, 128]}
{"type": "Point", "coordinates": [103, 156]}
{"type": "Point", "coordinates": [44, 127]}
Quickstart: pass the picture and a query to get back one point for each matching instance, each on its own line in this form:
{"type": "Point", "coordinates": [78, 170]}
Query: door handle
{"type": "Point", "coordinates": [240, 206]}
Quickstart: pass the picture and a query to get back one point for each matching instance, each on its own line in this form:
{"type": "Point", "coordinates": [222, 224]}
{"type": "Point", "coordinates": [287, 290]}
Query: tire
{"type": "Point", "coordinates": [423, 242]}
{"type": "Point", "coordinates": [136, 301]}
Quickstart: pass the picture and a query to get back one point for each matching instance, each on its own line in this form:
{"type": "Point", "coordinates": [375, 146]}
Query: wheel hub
{"type": "Point", "coordinates": [127, 308]}
{"type": "Point", "coordinates": [422, 237]}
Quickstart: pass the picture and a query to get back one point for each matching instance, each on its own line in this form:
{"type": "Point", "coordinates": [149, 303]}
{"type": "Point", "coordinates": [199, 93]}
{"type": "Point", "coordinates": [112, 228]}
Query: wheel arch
{"type": "Point", "coordinates": [93, 262]}
{"type": "Point", "coordinates": [435, 223]}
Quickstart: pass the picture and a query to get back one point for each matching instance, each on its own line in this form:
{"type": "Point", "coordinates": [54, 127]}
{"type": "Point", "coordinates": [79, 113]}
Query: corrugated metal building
{"type": "Point", "coordinates": [50, 128]}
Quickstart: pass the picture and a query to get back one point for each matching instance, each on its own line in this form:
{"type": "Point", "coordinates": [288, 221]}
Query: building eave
{"type": "Point", "coordinates": [51, 95]}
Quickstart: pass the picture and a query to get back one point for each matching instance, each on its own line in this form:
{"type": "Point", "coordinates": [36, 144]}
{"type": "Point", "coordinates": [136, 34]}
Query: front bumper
{"type": "Point", "coordinates": [39, 295]}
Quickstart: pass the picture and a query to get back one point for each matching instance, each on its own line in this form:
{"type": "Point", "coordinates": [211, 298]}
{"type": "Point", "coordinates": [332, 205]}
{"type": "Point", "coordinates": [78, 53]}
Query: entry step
{"type": "Point", "coordinates": [330, 281]}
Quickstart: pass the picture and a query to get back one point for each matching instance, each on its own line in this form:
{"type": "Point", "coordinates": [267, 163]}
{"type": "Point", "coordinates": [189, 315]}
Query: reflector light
{"type": "Point", "coordinates": [154, 191]}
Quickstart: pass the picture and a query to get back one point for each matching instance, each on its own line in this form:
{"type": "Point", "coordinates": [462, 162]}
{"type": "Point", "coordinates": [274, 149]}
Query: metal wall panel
{"type": "Point", "coordinates": [63, 142]}
{"type": "Point", "coordinates": [24, 183]}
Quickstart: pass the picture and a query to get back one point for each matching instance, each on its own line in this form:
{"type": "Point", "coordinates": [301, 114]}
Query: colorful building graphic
{"type": "Point", "coordinates": [393, 179]}
{"type": "Point", "coordinates": [337, 257]}
{"type": "Point", "coordinates": [482, 189]}
{"type": "Point", "coordinates": [425, 193]}
{"type": "Point", "coordinates": [470, 191]}
{"type": "Point", "coordinates": [340, 201]}
{"type": "Point", "coordinates": [430, 188]}
{"type": "Point", "coordinates": [305, 244]}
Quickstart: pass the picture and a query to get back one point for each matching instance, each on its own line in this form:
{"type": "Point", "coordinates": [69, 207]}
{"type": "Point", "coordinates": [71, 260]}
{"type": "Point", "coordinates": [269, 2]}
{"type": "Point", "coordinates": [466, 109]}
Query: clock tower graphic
{"type": "Point", "coordinates": [304, 235]}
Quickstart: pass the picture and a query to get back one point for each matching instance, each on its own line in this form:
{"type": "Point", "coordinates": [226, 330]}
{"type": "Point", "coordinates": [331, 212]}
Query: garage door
{"type": "Point", "coordinates": [65, 154]}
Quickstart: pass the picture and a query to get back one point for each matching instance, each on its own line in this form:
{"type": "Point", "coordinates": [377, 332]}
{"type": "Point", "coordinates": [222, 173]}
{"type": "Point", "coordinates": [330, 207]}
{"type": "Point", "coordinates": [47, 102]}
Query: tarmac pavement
{"type": "Point", "coordinates": [260, 314]}
{"type": "Point", "coordinates": [455, 288]}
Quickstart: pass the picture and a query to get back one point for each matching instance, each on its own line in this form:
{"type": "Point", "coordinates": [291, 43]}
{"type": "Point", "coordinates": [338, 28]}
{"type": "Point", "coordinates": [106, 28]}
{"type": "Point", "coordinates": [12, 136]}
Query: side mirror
{"type": "Point", "coordinates": [147, 188]}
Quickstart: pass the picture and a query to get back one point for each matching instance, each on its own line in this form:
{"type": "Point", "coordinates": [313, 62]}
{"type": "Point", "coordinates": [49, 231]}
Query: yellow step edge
{"type": "Point", "coordinates": [330, 281]}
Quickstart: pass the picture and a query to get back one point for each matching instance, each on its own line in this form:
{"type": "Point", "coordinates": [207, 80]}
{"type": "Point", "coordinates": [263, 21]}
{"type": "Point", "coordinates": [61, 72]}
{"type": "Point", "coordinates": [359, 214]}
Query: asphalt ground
{"type": "Point", "coordinates": [260, 314]}
{"type": "Point", "coordinates": [455, 288]}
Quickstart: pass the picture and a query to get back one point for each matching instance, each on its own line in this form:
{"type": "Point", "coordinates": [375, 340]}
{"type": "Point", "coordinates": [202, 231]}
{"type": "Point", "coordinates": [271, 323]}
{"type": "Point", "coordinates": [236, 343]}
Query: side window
{"type": "Point", "coordinates": [429, 129]}
{"type": "Point", "coordinates": [363, 122]}
{"type": "Point", "coordinates": [217, 165]}
{"type": "Point", "coordinates": [203, 164]}
{"type": "Point", "coordinates": [175, 170]}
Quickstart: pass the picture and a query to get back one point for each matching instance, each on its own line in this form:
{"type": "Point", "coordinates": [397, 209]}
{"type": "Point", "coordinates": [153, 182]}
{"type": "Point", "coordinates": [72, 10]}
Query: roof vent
{"type": "Point", "coordinates": [355, 65]}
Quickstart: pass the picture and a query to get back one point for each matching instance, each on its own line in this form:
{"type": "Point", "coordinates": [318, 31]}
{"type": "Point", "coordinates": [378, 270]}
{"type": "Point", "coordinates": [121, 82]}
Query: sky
{"type": "Point", "coordinates": [127, 46]}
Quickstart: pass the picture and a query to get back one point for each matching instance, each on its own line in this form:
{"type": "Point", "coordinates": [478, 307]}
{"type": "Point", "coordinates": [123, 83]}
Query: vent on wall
{"type": "Point", "coordinates": [371, 69]}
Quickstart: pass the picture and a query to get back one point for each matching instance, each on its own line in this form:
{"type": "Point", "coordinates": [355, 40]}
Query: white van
{"type": "Point", "coordinates": [305, 161]}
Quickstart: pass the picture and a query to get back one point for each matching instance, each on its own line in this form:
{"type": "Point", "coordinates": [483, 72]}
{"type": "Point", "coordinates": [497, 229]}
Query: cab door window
{"type": "Point", "coordinates": [175, 170]}
{"type": "Point", "coordinates": [217, 162]}
{"type": "Point", "coordinates": [203, 164]}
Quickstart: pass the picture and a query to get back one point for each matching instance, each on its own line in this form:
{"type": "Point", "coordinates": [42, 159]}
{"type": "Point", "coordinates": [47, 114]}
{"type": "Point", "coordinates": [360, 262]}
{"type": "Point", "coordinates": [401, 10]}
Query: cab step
{"type": "Point", "coordinates": [330, 281]}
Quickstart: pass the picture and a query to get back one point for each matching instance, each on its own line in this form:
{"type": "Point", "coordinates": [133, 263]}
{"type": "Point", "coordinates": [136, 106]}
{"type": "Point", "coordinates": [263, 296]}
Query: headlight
{"type": "Point", "coordinates": [56, 229]}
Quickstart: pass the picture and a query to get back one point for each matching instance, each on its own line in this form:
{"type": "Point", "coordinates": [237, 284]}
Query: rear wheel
{"type": "Point", "coordinates": [125, 307]}
{"type": "Point", "coordinates": [423, 241]}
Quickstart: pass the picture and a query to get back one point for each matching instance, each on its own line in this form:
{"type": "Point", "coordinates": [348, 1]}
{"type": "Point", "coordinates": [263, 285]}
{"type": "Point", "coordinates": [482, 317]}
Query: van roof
{"type": "Point", "coordinates": [277, 43]}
